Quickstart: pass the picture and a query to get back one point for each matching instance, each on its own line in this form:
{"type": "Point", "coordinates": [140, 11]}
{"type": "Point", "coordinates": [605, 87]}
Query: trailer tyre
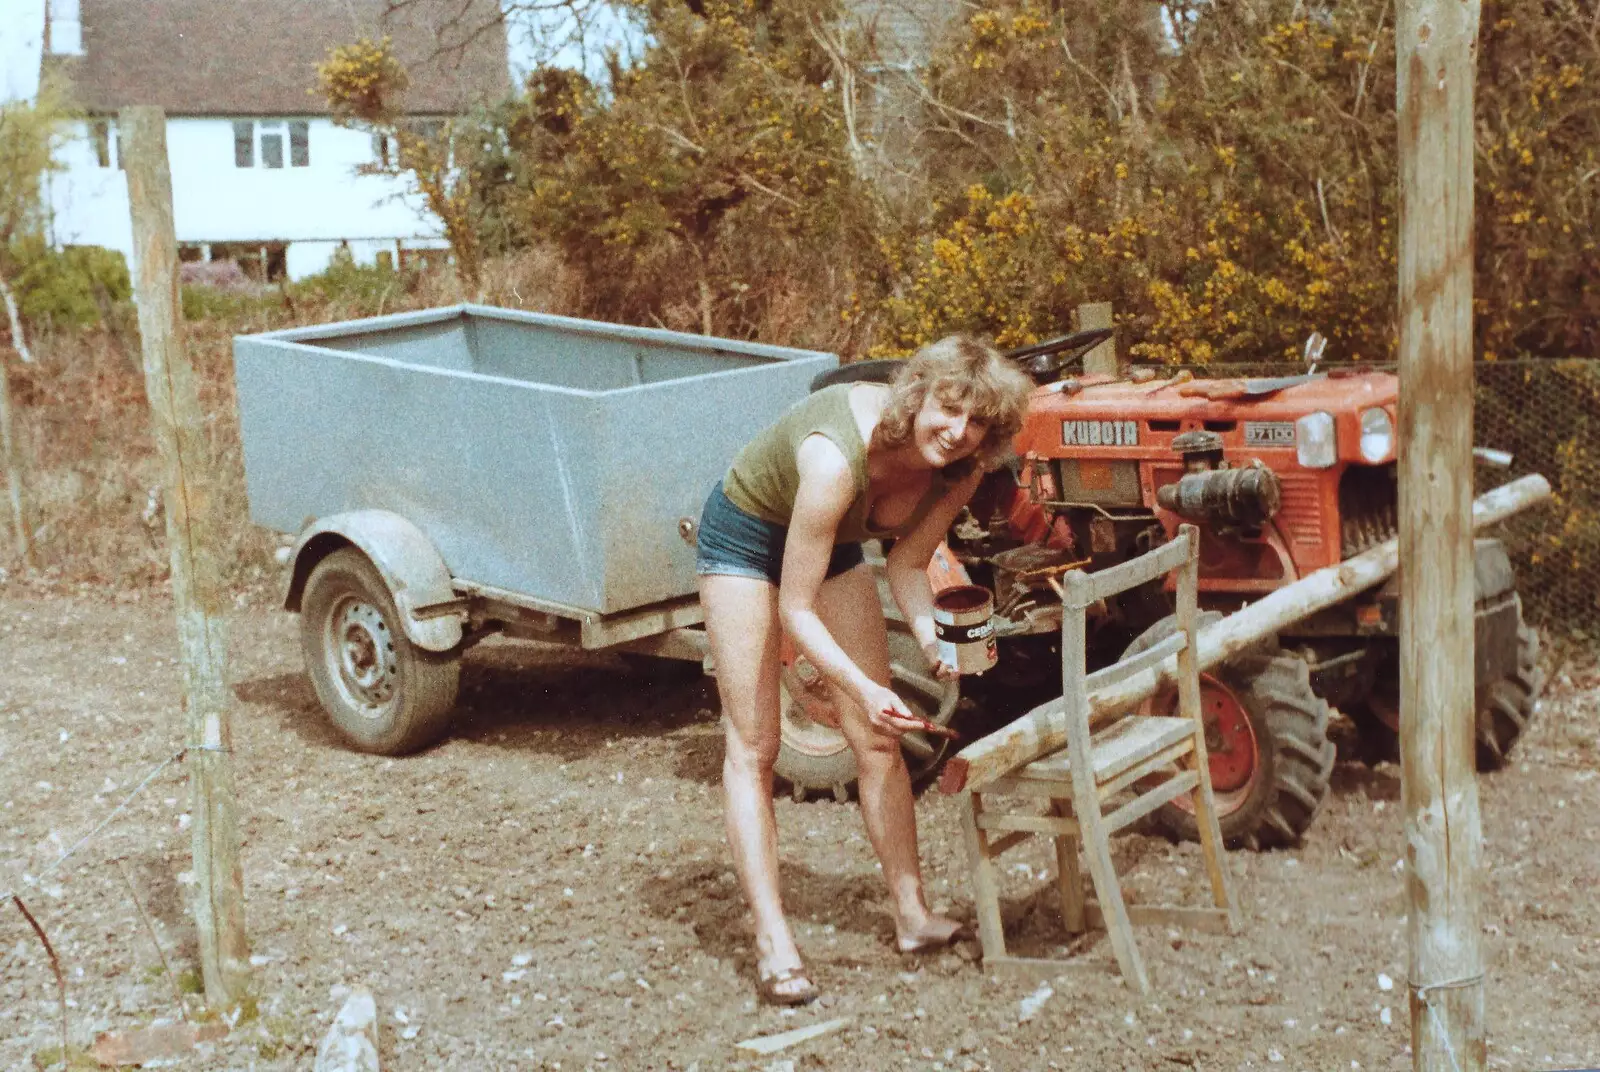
{"type": "Point", "coordinates": [1267, 735]}
{"type": "Point", "coordinates": [382, 693]}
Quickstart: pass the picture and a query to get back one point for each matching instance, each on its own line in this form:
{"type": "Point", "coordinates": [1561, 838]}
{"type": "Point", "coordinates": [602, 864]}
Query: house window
{"type": "Point", "coordinates": [107, 149]}
{"type": "Point", "coordinates": [264, 140]}
{"type": "Point", "coordinates": [244, 144]}
{"type": "Point", "coordinates": [271, 138]}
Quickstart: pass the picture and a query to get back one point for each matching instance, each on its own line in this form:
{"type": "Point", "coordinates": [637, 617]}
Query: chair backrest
{"type": "Point", "coordinates": [1082, 590]}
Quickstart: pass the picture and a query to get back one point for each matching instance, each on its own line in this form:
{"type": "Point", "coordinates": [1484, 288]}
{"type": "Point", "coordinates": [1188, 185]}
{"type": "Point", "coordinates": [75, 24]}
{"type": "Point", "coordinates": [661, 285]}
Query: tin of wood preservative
{"type": "Point", "coordinates": [963, 623]}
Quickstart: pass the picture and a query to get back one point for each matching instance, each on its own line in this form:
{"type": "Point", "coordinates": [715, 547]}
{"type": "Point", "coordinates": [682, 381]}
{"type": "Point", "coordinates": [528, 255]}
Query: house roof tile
{"type": "Point", "coordinates": [259, 57]}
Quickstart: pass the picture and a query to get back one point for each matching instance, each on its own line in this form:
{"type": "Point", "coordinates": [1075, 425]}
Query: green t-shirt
{"type": "Point", "coordinates": [765, 475]}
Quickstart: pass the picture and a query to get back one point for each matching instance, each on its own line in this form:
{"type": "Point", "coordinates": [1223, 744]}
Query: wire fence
{"type": "Point", "coordinates": [1546, 414]}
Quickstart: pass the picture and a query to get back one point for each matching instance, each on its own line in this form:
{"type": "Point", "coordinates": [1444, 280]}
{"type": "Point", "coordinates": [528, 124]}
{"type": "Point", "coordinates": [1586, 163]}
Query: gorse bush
{"type": "Point", "coordinates": [1228, 178]}
{"type": "Point", "coordinates": [710, 186]}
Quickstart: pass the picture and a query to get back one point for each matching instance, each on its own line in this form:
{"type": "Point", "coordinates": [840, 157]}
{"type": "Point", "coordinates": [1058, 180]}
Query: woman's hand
{"type": "Point", "coordinates": [887, 712]}
{"type": "Point", "coordinates": [936, 662]}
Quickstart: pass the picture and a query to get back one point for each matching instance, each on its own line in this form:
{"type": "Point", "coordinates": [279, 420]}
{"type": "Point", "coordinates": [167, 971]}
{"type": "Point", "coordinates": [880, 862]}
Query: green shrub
{"type": "Point", "coordinates": [346, 283]}
{"type": "Point", "coordinates": [69, 288]}
{"type": "Point", "coordinates": [201, 302]}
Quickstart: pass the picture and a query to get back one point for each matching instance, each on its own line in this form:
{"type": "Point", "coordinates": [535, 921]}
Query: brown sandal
{"type": "Point", "coordinates": [767, 988]}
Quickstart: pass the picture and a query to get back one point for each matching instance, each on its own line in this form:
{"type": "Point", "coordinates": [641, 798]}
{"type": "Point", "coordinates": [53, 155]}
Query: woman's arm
{"type": "Point", "coordinates": [907, 566]}
{"type": "Point", "coordinates": [827, 488]}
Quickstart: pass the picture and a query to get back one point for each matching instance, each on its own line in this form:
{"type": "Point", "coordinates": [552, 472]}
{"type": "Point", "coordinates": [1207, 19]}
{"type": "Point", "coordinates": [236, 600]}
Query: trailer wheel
{"type": "Point", "coordinates": [1267, 739]}
{"type": "Point", "coordinates": [382, 693]}
{"type": "Point", "coordinates": [813, 756]}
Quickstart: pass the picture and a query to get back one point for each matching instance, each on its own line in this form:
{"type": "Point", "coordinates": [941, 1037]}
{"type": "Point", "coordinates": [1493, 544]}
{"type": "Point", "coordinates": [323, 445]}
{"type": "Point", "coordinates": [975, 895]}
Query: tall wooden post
{"type": "Point", "coordinates": [13, 466]}
{"type": "Point", "coordinates": [1102, 360]}
{"type": "Point", "coordinates": [1436, 58]}
{"type": "Point", "coordinates": [190, 497]}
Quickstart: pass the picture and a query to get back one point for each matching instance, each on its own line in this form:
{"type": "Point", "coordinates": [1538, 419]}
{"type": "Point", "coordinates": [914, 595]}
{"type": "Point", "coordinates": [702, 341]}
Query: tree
{"type": "Point", "coordinates": [28, 133]}
{"type": "Point", "coordinates": [710, 185]}
{"type": "Point", "coordinates": [365, 86]}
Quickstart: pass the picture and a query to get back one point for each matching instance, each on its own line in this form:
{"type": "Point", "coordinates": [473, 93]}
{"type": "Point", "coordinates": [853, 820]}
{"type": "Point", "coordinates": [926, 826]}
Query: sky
{"type": "Point", "coordinates": [554, 36]}
{"type": "Point", "coordinates": [21, 27]}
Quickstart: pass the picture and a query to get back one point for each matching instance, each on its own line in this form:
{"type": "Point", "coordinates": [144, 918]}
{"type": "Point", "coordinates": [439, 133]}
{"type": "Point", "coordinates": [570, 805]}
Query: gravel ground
{"type": "Point", "coordinates": [549, 888]}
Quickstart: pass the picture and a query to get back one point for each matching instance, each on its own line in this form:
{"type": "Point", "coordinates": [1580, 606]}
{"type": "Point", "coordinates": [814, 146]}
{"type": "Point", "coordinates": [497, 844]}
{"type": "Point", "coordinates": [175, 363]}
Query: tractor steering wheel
{"type": "Point", "coordinates": [1045, 360]}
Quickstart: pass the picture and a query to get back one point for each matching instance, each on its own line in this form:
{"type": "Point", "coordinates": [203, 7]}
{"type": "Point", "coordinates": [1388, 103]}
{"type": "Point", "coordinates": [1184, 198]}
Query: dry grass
{"type": "Point", "coordinates": [91, 474]}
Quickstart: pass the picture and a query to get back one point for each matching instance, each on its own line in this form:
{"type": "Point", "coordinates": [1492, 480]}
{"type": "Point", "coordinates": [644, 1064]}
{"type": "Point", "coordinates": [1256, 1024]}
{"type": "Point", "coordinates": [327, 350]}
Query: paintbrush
{"type": "Point", "coordinates": [924, 725]}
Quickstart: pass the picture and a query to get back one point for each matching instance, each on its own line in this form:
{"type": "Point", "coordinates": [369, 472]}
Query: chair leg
{"type": "Point", "coordinates": [1109, 891]}
{"type": "Point", "coordinates": [985, 886]}
{"type": "Point", "coordinates": [1068, 878]}
{"type": "Point", "coordinates": [1205, 813]}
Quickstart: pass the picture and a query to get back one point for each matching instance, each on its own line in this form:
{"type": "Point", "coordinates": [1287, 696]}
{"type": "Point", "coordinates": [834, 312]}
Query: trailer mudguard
{"type": "Point", "coordinates": [418, 579]}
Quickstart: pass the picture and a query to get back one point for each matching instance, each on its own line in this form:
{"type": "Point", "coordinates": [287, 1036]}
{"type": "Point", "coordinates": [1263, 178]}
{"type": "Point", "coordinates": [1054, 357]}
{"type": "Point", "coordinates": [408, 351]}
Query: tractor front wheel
{"type": "Point", "coordinates": [1267, 741]}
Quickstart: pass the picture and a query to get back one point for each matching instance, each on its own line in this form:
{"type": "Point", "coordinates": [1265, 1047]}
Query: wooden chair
{"type": "Point", "coordinates": [1106, 778]}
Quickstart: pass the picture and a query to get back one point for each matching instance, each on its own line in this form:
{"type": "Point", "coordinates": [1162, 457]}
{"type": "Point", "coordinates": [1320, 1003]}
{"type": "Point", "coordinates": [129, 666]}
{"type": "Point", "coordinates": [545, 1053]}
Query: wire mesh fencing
{"type": "Point", "coordinates": [1547, 415]}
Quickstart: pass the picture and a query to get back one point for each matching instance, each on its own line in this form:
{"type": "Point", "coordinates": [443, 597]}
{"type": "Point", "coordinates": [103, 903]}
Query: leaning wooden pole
{"type": "Point", "coordinates": [1436, 60]}
{"type": "Point", "coordinates": [190, 500]}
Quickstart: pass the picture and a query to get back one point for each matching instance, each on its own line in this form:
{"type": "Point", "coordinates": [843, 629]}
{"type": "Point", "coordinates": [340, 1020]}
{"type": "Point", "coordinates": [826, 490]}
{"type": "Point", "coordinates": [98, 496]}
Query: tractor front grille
{"type": "Point", "coordinates": [1368, 508]}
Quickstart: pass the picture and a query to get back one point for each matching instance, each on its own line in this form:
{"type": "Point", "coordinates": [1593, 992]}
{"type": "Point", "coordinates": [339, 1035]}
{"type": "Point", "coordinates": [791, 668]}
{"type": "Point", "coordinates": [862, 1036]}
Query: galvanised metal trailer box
{"type": "Point", "coordinates": [544, 457]}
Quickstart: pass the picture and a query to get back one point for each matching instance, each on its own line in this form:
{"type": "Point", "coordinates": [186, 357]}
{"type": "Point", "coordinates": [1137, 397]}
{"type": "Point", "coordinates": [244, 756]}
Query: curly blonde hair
{"type": "Point", "coordinates": [958, 370]}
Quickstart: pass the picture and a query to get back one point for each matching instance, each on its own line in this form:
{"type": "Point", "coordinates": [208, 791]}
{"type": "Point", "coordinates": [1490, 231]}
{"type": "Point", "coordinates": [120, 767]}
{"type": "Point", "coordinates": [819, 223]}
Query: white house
{"type": "Point", "coordinates": [260, 173]}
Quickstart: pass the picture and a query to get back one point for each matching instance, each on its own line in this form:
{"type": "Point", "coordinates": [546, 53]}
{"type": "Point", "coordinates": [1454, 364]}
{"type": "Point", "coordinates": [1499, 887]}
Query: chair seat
{"type": "Point", "coordinates": [1115, 749]}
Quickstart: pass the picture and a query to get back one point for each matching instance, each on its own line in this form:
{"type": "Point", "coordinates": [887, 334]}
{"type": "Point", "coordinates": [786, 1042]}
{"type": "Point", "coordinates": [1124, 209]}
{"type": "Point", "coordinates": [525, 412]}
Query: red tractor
{"type": "Point", "coordinates": [1283, 476]}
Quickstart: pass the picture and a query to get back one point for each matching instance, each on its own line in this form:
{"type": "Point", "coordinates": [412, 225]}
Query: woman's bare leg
{"type": "Point", "coordinates": [849, 606]}
{"type": "Point", "coordinates": [742, 623]}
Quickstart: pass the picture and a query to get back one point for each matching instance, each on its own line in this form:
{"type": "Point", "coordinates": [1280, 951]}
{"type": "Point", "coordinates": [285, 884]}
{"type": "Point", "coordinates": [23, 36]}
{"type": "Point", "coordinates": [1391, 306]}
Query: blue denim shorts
{"type": "Point", "coordinates": [734, 543]}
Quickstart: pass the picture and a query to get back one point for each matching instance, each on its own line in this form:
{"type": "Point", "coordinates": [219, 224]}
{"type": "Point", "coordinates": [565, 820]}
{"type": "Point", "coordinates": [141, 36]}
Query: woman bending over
{"type": "Point", "coordinates": [780, 551]}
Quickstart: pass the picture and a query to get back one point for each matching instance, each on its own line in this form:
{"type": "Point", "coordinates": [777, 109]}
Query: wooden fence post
{"type": "Point", "coordinates": [1102, 360]}
{"type": "Point", "coordinates": [190, 497]}
{"type": "Point", "coordinates": [1435, 56]}
{"type": "Point", "coordinates": [13, 467]}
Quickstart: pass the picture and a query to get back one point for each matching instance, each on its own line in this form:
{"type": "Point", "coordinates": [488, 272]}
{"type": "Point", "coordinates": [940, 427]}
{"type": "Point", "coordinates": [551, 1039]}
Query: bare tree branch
{"type": "Point", "coordinates": [18, 342]}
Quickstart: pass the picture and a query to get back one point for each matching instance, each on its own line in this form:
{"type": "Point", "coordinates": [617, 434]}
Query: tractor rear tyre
{"type": "Point", "coordinates": [1509, 703]}
{"type": "Point", "coordinates": [1267, 739]}
{"type": "Point", "coordinates": [813, 757]}
{"type": "Point", "coordinates": [1506, 708]}
{"type": "Point", "coordinates": [382, 692]}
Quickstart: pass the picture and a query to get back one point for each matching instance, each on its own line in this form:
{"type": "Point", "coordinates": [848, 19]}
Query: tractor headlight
{"type": "Point", "coordinates": [1377, 435]}
{"type": "Point", "coordinates": [1314, 444]}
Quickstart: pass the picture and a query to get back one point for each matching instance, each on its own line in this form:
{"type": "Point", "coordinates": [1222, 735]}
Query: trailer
{"type": "Point", "coordinates": [458, 473]}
